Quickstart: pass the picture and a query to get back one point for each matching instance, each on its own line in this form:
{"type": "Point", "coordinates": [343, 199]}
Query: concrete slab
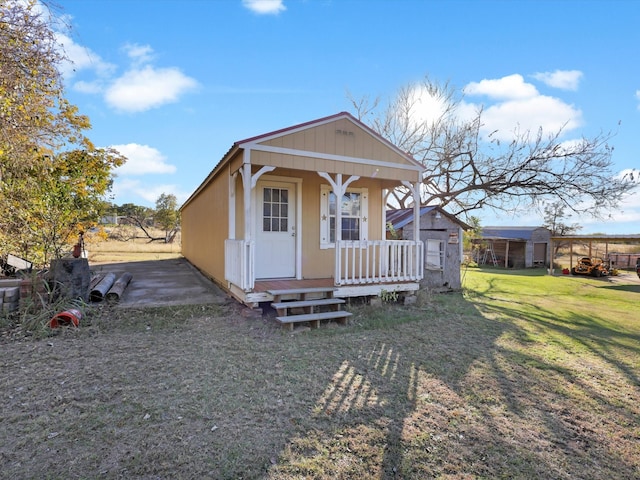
{"type": "Point", "coordinates": [163, 283]}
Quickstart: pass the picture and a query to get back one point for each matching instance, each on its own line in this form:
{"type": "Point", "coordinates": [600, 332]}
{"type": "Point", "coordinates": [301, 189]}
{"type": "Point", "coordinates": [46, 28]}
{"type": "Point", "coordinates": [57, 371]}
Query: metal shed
{"type": "Point", "coordinates": [617, 260]}
{"type": "Point", "coordinates": [514, 247]}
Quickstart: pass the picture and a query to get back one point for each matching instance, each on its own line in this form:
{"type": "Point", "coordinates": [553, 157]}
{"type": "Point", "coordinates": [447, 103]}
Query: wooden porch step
{"type": "Point", "coordinates": [320, 302]}
{"type": "Point", "coordinates": [301, 291]}
{"type": "Point", "coordinates": [314, 318]}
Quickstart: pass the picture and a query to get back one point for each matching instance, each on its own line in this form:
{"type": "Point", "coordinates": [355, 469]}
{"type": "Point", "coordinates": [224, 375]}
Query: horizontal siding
{"type": "Point", "coordinates": [205, 226]}
{"type": "Point", "coordinates": [313, 164]}
{"type": "Point", "coordinates": [339, 138]}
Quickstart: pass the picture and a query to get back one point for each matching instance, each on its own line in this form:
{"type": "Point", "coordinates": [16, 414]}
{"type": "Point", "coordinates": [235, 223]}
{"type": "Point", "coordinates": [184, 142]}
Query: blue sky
{"type": "Point", "coordinates": [173, 83]}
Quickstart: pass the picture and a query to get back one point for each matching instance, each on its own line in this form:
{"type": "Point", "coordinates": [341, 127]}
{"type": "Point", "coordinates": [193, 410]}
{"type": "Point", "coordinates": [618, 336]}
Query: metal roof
{"type": "Point", "coordinates": [600, 238]}
{"type": "Point", "coordinates": [510, 233]}
{"type": "Point", "coordinates": [401, 217]}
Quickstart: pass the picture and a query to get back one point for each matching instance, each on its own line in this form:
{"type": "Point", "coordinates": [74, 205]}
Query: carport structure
{"type": "Point", "coordinates": [589, 240]}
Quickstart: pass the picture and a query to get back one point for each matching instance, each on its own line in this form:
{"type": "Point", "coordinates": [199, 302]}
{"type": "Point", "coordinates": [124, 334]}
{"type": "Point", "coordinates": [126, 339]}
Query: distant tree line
{"type": "Point", "coordinates": [147, 221]}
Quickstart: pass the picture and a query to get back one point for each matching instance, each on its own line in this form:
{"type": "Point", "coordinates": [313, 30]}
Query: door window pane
{"type": "Point", "coordinates": [275, 210]}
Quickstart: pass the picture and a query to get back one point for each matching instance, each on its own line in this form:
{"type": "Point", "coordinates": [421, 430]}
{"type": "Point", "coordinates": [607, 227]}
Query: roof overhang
{"type": "Point", "coordinates": [598, 238]}
{"type": "Point", "coordinates": [412, 168]}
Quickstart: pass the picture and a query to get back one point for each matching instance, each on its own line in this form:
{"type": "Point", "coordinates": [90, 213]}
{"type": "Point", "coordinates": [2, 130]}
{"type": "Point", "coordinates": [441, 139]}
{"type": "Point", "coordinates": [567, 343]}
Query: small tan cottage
{"type": "Point", "coordinates": [304, 206]}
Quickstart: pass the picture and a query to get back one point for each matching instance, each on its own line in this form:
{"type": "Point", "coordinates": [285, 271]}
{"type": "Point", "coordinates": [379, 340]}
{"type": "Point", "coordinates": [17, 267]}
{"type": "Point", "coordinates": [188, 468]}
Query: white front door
{"type": "Point", "coordinates": [276, 230]}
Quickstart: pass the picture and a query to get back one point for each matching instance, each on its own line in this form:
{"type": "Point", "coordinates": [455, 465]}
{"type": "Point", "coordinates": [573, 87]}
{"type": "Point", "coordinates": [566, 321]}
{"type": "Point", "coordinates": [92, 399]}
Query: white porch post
{"type": "Point", "coordinates": [249, 267]}
{"type": "Point", "coordinates": [246, 190]}
{"type": "Point", "coordinates": [385, 196]}
{"type": "Point", "coordinates": [339, 189]}
{"type": "Point", "coordinates": [416, 211]}
{"type": "Point", "coordinates": [232, 206]}
{"type": "Point", "coordinates": [249, 182]}
{"type": "Point", "coordinates": [415, 192]}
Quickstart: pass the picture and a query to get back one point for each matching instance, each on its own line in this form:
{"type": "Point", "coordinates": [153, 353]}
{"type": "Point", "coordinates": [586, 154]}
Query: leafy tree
{"type": "Point", "coordinates": [62, 198]}
{"type": "Point", "coordinates": [36, 117]}
{"type": "Point", "coordinates": [554, 216]}
{"type": "Point", "coordinates": [465, 171]}
{"type": "Point", "coordinates": [164, 216]}
{"type": "Point", "coordinates": [137, 216]}
{"type": "Point", "coordinates": [167, 215]}
{"type": "Point", "coordinates": [52, 178]}
{"type": "Point", "coordinates": [135, 213]}
{"type": "Point", "coordinates": [472, 238]}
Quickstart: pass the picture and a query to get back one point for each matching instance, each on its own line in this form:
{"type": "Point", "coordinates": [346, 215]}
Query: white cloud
{"type": "Point", "coordinates": [517, 107]}
{"type": "Point", "coordinates": [141, 89]}
{"type": "Point", "coordinates": [530, 114]}
{"type": "Point", "coordinates": [265, 7]}
{"type": "Point", "coordinates": [88, 87]}
{"type": "Point", "coordinates": [142, 160]}
{"type": "Point", "coordinates": [81, 58]}
{"type": "Point", "coordinates": [139, 54]}
{"type": "Point", "coordinates": [505, 88]}
{"type": "Point", "coordinates": [128, 188]}
{"type": "Point", "coordinates": [632, 174]}
{"type": "Point", "coordinates": [638, 97]}
{"type": "Point", "coordinates": [624, 220]}
{"type": "Point", "coordinates": [563, 79]}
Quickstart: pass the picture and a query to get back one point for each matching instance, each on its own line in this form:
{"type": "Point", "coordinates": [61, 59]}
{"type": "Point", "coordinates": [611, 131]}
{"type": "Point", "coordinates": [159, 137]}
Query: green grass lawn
{"type": "Point", "coordinates": [521, 375]}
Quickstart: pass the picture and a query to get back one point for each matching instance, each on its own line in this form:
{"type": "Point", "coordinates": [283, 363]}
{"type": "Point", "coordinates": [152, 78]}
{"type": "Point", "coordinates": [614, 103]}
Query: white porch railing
{"type": "Point", "coordinates": [238, 263]}
{"type": "Point", "coordinates": [378, 261]}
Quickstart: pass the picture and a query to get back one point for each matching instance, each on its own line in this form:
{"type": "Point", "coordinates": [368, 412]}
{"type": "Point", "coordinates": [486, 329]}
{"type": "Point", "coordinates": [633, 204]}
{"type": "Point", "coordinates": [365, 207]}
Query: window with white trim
{"type": "Point", "coordinates": [354, 212]}
{"type": "Point", "coordinates": [434, 254]}
{"type": "Point", "coordinates": [275, 209]}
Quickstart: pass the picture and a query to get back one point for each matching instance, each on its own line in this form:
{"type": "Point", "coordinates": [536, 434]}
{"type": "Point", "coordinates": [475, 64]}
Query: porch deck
{"type": "Point", "coordinates": [260, 292]}
{"type": "Point", "coordinates": [291, 283]}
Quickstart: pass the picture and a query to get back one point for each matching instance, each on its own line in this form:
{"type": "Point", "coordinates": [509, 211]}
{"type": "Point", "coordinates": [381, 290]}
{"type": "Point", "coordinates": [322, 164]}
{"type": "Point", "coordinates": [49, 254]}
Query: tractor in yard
{"type": "Point", "coordinates": [591, 266]}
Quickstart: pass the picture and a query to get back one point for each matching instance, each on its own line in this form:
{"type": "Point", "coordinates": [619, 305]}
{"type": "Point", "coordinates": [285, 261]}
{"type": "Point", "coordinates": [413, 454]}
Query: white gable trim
{"type": "Point", "coordinates": [342, 116]}
{"type": "Point", "coordinates": [289, 131]}
{"type": "Point", "coordinates": [329, 156]}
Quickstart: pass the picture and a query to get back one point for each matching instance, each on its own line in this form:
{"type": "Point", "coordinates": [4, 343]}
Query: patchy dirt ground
{"type": "Point", "coordinates": [133, 394]}
{"type": "Point", "coordinates": [432, 391]}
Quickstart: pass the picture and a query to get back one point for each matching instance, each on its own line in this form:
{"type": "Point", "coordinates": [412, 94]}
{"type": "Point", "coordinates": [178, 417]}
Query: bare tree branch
{"type": "Point", "coordinates": [465, 171]}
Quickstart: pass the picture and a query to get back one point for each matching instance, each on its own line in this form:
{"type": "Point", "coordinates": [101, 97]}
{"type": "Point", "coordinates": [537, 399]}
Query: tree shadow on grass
{"type": "Point", "coordinates": [458, 388]}
{"type": "Point", "coordinates": [623, 288]}
{"type": "Point", "coordinates": [474, 393]}
{"type": "Point", "coordinates": [581, 382]}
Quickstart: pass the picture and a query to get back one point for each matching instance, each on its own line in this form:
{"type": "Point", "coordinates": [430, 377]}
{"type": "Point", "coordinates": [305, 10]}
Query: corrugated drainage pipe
{"type": "Point", "coordinates": [114, 294]}
{"type": "Point", "coordinates": [101, 289]}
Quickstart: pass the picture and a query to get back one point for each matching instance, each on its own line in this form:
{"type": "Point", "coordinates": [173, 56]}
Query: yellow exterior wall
{"type": "Point", "coordinates": [205, 226]}
{"type": "Point", "coordinates": [205, 223]}
{"type": "Point", "coordinates": [317, 262]}
{"type": "Point", "coordinates": [340, 137]}
{"type": "Point", "coordinates": [205, 217]}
